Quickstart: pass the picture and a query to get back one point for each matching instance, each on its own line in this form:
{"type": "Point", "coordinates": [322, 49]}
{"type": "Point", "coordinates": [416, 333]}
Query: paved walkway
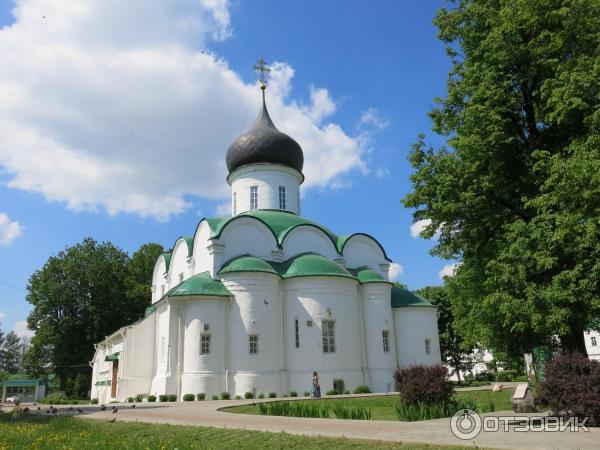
{"type": "Point", "coordinates": [208, 413]}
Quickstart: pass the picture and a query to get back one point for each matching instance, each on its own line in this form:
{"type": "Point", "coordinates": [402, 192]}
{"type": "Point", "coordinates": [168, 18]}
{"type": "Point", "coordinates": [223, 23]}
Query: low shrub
{"type": "Point", "coordinates": [163, 398]}
{"type": "Point", "coordinates": [225, 395]}
{"type": "Point", "coordinates": [331, 392]}
{"type": "Point", "coordinates": [248, 395]}
{"type": "Point", "coordinates": [238, 397]}
{"type": "Point", "coordinates": [94, 401]}
{"type": "Point", "coordinates": [484, 376]}
{"type": "Point", "coordinates": [139, 397]}
{"type": "Point", "coordinates": [346, 392]}
{"type": "Point", "coordinates": [215, 397]}
{"type": "Point", "coordinates": [421, 384]}
{"type": "Point", "coordinates": [171, 398]}
{"type": "Point", "coordinates": [261, 395]}
{"type": "Point", "coordinates": [362, 389]}
{"type": "Point", "coordinates": [357, 412]}
{"type": "Point", "coordinates": [422, 411]}
{"type": "Point", "coordinates": [189, 397]}
{"type": "Point", "coordinates": [200, 396]}
{"type": "Point", "coordinates": [295, 409]}
{"type": "Point", "coordinates": [130, 399]}
{"type": "Point", "coordinates": [293, 394]}
{"type": "Point", "coordinates": [570, 387]}
{"type": "Point", "coordinates": [306, 394]}
{"type": "Point", "coordinates": [152, 398]}
{"type": "Point", "coordinates": [522, 379]}
{"type": "Point", "coordinates": [272, 395]}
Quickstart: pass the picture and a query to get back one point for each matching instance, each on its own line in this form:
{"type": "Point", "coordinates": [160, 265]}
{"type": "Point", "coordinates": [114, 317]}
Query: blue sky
{"type": "Point", "coordinates": [381, 57]}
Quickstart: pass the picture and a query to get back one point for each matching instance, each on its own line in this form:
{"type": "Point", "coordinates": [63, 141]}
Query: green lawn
{"type": "Point", "coordinates": [382, 407]}
{"type": "Point", "coordinates": [73, 433]}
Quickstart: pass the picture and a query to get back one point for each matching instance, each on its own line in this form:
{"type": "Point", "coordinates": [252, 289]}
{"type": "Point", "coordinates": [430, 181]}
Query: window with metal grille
{"type": "Point", "coordinates": [385, 334]}
{"type": "Point", "coordinates": [181, 278]}
{"type": "Point", "coordinates": [205, 344]}
{"type": "Point", "coordinates": [253, 344]}
{"type": "Point", "coordinates": [234, 203]}
{"type": "Point", "coordinates": [428, 346]}
{"type": "Point", "coordinates": [594, 342]}
{"type": "Point", "coordinates": [297, 328]}
{"type": "Point", "coordinates": [281, 197]}
{"type": "Point", "coordinates": [253, 197]}
{"type": "Point", "coordinates": [328, 329]}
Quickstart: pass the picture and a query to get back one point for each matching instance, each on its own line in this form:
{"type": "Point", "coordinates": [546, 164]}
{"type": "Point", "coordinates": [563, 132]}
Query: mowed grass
{"type": "Point", "coordinates": [382, 407]}
{"type": "Point", "coordinates": [73, 433]}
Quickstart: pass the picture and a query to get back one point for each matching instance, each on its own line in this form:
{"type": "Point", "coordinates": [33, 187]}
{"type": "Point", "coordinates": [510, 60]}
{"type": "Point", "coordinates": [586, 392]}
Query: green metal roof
{"type": "Point", "coordinates": [366, 275]}
{"type": "Point", "coordinates": [305, 265]}
{"type": "Point", "coordinates": [281, 223]}
{"type": "Point", "coordinates": [103, 383]}
{"type": "Point", "coordinates": [200, 284]}
{"type": "Point", "coordinates": [313, 265]}
{"type": "Point", "coordinates": [403, 298]}
{"type": "Point", "coordinates": [247, 264]}
{"type": "Point", "coordinates": [190, 244]}
{"type": "Point", "coordinates": [112, 357]}
{"type": "Point", "coordinates": [21, 382]}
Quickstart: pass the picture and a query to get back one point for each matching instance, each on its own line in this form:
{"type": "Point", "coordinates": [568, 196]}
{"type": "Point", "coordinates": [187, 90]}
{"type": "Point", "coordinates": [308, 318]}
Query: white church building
{"type": "Point", "coordinates": [257, 301]}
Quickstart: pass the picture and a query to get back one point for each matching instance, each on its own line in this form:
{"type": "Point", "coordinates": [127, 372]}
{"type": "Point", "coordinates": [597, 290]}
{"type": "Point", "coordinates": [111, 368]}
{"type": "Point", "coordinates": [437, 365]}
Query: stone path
{"type": "Point", "coordinates": [207, 413]}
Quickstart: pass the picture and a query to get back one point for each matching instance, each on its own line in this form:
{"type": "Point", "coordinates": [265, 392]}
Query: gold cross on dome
{"type": "Point", "coordinates": [261, 66]}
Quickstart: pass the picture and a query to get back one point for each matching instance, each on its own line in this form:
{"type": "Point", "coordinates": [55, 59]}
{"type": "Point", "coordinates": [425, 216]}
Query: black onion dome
{"type": "Point", "coordinates": [264, 143]}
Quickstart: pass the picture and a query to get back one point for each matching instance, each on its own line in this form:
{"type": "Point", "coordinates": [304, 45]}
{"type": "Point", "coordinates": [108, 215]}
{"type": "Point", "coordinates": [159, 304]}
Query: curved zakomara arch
{"type": "Point", "coordinates": [182, 240]}
{"type": "Point", "coordinates": [343, 240]}
{"type": "Point", "coordinates": [220, 228]}
{"type": "Point", "coordinates": [321, 231]}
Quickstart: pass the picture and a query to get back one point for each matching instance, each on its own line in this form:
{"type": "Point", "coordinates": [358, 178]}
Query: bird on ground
{"type": "Point", "coordinates": [133, 406]}
{"type": "Point", "coordinates": [26, 410]}
{"type": "Point", "coordinates": [48, 411]}
{"type": "Point", "coordinates": [112, 421]}
{"type": "Point", "coordinates": [114, 411]}
{"type": "Point", "coordinates": [70, 408]}
{"type": "Point", "coordinates": [53, 411]}
{"type": "Point", "coordinates": [103, 408]}
{"type": "Point", "coordinates": [80, 411]}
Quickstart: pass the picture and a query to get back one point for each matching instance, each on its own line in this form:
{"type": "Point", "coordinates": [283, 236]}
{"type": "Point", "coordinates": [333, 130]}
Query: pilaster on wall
{"type": "Point", "coordinates": [385, 268]}
{"type": "Point", "coordinates": [215, 251]}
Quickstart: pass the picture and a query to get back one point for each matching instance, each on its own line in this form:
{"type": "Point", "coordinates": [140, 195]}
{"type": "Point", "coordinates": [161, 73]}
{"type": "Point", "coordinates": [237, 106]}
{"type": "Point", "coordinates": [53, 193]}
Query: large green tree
{"type": "Point", "coordinates": [138, 277]}
{"type": "Point", "coordinates": [456, 352]}
{"type": "Point", "coordinates": [516, 193]}
{"type": "Point", "coordinates": [11, 353]}
{"type": "Point", "coordinates": [79, 297]}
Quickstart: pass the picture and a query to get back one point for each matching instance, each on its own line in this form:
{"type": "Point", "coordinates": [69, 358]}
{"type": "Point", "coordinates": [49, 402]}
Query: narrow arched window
{"type": "Point", "coordinates": [281, 197]}
{"type": "Point", "coordinates": [253, 198]}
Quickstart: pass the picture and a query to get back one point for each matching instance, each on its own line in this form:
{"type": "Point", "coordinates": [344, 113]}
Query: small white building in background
{"type": "Point", "coordinates": [257, 301]}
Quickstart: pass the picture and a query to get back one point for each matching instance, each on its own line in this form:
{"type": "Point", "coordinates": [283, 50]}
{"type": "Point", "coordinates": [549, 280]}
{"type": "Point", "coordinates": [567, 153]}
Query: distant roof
{"type": "Point", "coordinates": [200, 284]}
{"type": "Point", "coordinates": [21, 382]}
{"type": "Point", "coordinates": [404, 298]}
{"type": "Point", "coordinates": [366, 275]}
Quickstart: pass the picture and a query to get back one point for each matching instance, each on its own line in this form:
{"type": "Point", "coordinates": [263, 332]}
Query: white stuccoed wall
{"type": "Point", "coordinates": [268, 178]}
{"type": "Point", "coordinates": [158, 279]}
{"type": "Point", "coordinates": [201, 260]}
{"type": "Point", "coordinates": [137, 366]}
{"type": "Point", "coordinates": [247, 236]}
{"type": "Point", "coordinates": [378, 317]}
{"type": "Point", "coordinates": [167, 333]}
{"type": "Point", "coordinates": [413, 325]}
{"type": "Point", "coordinates": [204, 373]}
{"type": "Point", "coordinates": [256, 310]}
{"type": "Point", "coordinates": [179, 263]}
{"type": "Point", "coordinates": [309, 298]}
{"type": "Point", "coordinates": [305, 239]}
{"type": "Point", "coordinates": [361, 251]}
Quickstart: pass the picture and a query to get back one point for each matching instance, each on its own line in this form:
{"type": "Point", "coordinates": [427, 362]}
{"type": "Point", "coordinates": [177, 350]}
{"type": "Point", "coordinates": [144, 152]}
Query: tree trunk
{"type": "Point", "coordinates": [574, 341]}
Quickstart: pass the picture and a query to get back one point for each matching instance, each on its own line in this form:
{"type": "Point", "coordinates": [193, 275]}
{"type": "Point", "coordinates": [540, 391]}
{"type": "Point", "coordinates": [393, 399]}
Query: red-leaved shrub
{"type": "Point", "coordinates": [424, 384]}
{"type": "Point", "coordinates": [571, 387]}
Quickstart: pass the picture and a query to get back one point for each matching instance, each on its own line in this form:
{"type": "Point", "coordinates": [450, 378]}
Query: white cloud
{"type": "Point", "coordinates": [21, 330]}
{"type": "Point", "coordinates": [448, 271]}
{"type": "Point", "coordinates": [2, 315]}
{"type": "Point", "coordinates": [381, 172]}
{"type": "Point", "coordinates": [9, 230]}
{"type": "Point", "coordinates": [395, 272]}
{"type": "Point", "coordinates": [223, 209]}
{"type": "Point", "coordinates": [117, 108]}
{"type": "Point", "coordinates": [417, 227]}
{"type": "Point", "coordinates": [372, 118]}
